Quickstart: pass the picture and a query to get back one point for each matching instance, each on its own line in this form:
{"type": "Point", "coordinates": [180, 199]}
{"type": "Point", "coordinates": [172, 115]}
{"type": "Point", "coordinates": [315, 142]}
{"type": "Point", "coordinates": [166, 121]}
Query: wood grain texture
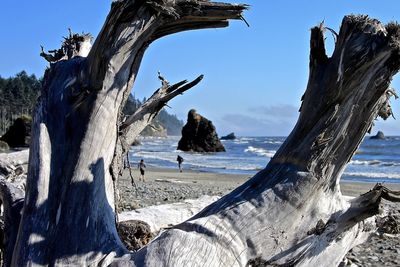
{"type": "Point", "coordinates": [69, 216]}
{"type": "Point", "coordinates": [273, 216]}
{"type": "Point", "coordinates": [290, 213]}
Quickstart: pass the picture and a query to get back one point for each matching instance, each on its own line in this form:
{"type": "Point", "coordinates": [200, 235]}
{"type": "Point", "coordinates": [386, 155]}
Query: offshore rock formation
{"type": "Point", "coordinates": [199, 135]}
{"type": "Point", "coordinates": [378, 136]}
{"type": "Point", "coordinates": [230, 136]}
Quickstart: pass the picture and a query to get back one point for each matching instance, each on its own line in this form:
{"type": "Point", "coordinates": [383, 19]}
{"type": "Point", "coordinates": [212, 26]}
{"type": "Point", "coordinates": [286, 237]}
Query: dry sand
{"type": "Point", "coordinates": [169, 185]}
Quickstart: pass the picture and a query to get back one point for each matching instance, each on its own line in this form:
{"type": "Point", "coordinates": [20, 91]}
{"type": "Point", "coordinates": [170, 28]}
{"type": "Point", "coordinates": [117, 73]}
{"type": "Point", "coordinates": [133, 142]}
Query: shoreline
{"type": "Point", "coordinates": [198, 173]}
{"type": "Point", "coordinates": [374, 161]}
{"type": "Point", "coordinates": [167, 185]}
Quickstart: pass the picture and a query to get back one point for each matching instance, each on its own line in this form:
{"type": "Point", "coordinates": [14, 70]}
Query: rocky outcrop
{"type": "Point", "coordinates": [19, 134]}
{"type": "Point", "coordinates": [378, 136]}
{"type": "Point", "coordinates": [230, 136]}
{"type": "Point", "coordinates": [154, 129]}
{"type": "Point", "coordinates": [199, 135]}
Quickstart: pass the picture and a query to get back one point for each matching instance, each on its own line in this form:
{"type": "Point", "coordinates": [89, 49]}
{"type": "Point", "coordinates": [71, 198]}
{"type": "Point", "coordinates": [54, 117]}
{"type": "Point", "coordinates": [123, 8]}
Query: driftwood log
{"type": "Point", "coordinates": [12, 181]}
{"type": "Point", "coordinates": [79, 134]}
{"type": "Point", "coordinates": [290, 213]}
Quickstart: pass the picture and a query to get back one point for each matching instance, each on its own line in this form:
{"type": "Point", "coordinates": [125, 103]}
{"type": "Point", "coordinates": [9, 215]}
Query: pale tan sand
{"type": "Point", "coordinates": [189, 176]}
{"type": "Point", "coordinates": [164, 185]}
{"type": "Point", "coordinates": [357, 188]}
{"type": "Point", "coordinates": [233, 180]}
{"type": "Point", "coordinates": [169, 185]}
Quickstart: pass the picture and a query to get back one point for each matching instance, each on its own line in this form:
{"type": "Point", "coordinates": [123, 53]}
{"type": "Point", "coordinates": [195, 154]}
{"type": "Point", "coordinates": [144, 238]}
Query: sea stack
{"type": "Point", "coordinates": [199, 135]}
{"type": "Point", "coordinates": [230, 136]}
{"type": "Point", "coordinates": [378, 136]}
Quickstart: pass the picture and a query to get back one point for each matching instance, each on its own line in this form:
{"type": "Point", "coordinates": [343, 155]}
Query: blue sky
{"type": "Point", "coordinates": [254, 77]}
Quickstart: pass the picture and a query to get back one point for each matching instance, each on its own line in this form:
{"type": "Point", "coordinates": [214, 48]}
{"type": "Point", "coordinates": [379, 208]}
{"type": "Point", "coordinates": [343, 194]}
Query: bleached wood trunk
{"type": "Point", "coordinates": [68, 216]}
{"type": "Point", "coordinates": [292, 213]}
{"type": "Point", "coordinates": [12, 199]}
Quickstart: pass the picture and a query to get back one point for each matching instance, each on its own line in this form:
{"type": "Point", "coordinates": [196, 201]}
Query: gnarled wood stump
{"type": "Point", "coordinates": [290, 213]}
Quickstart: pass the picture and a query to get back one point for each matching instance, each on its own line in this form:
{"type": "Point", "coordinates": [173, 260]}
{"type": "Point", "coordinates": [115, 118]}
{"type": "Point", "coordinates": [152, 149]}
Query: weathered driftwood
{"type": "Point", "coordinates": [290, 213]}
{"type": "Point", "coordinates": [72, 46]}
{"type": "Point", "coordinates": [11, 162]}
{"type": "Point", "coordinates": [166, 215]}
{"type": "Point", "coordinates": [68, 216]}
{"type": "Point", "coordinates": [11, 197]}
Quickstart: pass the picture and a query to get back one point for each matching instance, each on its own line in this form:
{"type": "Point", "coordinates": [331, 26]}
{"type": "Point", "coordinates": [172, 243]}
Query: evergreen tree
{"type": "Point", "coordinates": [19, 93]}
{"type": "Point", "coordinates": [18, 96]}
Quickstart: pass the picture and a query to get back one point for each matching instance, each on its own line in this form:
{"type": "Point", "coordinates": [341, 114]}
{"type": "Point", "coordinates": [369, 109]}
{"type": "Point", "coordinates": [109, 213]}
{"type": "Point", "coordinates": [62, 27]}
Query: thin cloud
{"type": "Point", "coordinates": [246, 125]}
{"type": "Point", "coordinates": [274, 111]}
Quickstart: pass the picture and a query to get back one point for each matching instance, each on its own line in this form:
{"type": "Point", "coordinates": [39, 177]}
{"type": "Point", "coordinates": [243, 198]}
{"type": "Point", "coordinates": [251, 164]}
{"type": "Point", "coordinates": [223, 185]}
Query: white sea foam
{"type": "Point", "coordinates": [374, 175]}
{"type": "Point", "coordinates": [249, 154]}
{"type": "Point", "coordinates": [374, 162]}
{"type": "Point", "coordinates": [246, 168]}
{"type": "Point", "coordinates": [199, 161]}
{"type": "Point", "coordinates": [365, 162]}
{"type": "Point", "coordinates": [247, 139]}
{"type": "Point", "coordinates": [241, 142]}
{"type": "Point", "coordinates": [171, 157]}
{"type": "Point", "coordinates": [260, 151]}
{"type": "Point", "coordinates": [273, 142]}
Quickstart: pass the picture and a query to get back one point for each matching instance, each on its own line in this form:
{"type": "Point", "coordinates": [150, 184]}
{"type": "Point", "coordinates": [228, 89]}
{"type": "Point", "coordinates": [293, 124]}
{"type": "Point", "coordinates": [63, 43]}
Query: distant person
{"type": "Point", "coordinates": [127, 164]}
{"type": "Point", "coordinates": [180, 160]}
{"type": "Point", "coordinates": [142, 168]}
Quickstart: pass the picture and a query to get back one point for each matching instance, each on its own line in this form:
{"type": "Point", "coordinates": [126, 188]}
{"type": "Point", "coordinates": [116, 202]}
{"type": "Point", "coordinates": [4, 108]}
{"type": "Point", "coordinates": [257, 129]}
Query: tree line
{"type": "Point", "coordinates": [18, 95]}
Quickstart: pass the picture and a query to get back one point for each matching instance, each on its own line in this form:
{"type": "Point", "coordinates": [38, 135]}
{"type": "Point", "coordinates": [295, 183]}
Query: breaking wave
{"type": "Point", "coordinates": [260, 151]}
{"type": "Point", "coordinates": [374, 175]}
{"type": "Point", "coordinates": [376, 161]}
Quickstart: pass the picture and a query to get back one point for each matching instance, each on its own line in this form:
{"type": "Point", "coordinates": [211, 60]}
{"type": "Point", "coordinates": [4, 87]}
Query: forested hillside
{"type": "Point", "coordinates": [18, 96]}
{"type": "Point", "coordinates": [168, 121]}
{"type": "Point", "coordinates": [19, 92]}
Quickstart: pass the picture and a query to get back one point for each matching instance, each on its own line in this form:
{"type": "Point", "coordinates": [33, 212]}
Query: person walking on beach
{"type": "Point", "coordinates": [180, 160]}
{"type": "Point", "coordinates": [142, 168]}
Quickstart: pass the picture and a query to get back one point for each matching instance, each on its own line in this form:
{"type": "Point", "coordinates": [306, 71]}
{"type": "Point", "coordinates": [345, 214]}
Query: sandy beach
{"type": "Point", "coordinates": [164, 185]}
{"type": "Point", "coordinates": [169, 185]}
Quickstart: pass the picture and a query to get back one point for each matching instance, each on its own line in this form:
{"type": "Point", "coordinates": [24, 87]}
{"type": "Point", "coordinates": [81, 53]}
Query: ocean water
{"type": "Point", "coordinates": [375, 160]}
